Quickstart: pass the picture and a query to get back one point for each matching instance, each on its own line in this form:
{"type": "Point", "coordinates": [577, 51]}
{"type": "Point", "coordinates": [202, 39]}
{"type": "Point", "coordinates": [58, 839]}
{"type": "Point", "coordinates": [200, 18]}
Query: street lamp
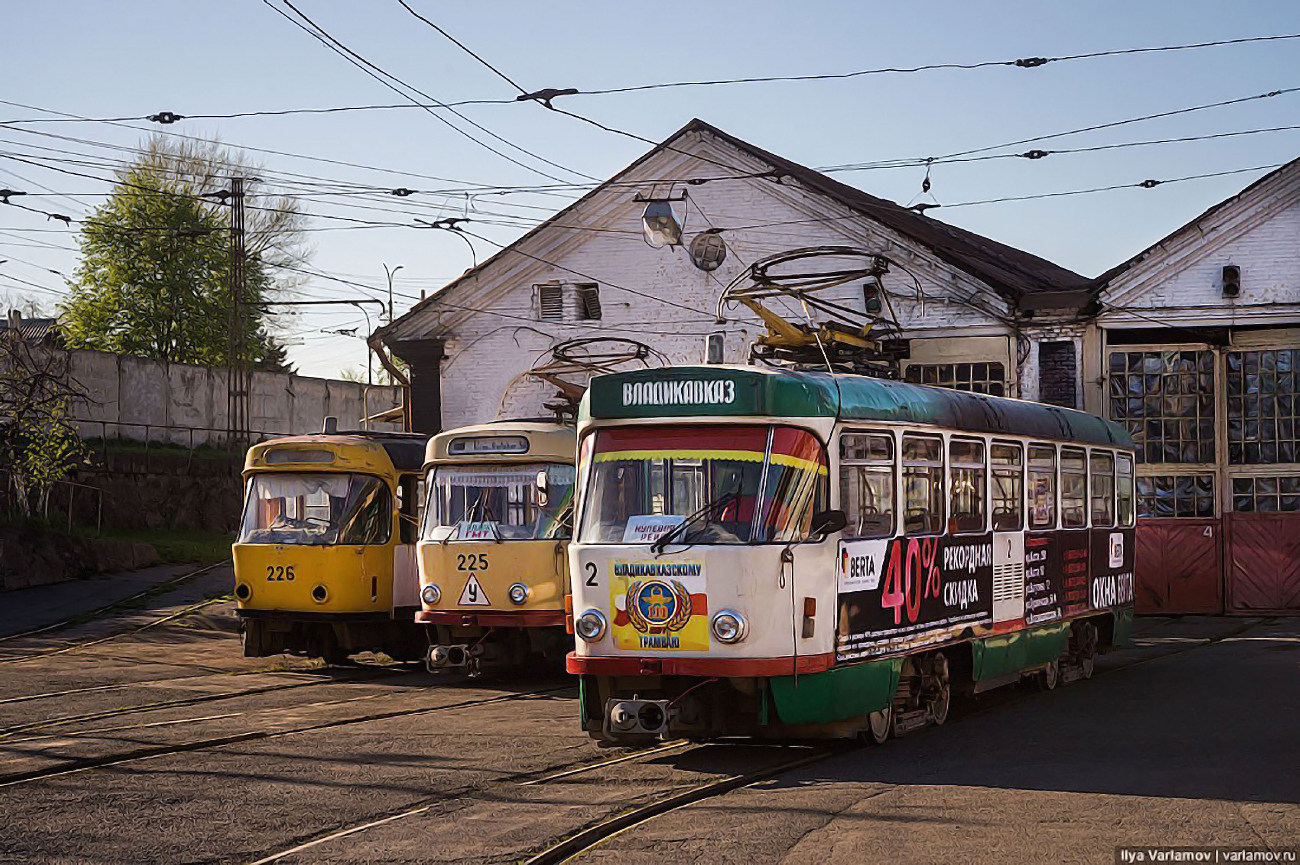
{"type": "Point", "coordinates": [390, 289]}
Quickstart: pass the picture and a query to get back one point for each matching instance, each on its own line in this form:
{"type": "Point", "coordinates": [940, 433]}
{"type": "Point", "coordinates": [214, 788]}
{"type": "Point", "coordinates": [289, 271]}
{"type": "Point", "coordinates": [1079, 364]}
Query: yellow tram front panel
{"type": "Point", "coordinates": [476, 577]}
{"type": "Point", "coordinates": [318, 579]}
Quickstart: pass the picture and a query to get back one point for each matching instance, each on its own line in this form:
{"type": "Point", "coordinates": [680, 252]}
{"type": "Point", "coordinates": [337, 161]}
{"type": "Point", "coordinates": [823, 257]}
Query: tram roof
{"type": "Point", "coordinates": [404, 450]}
{"type": "Point", "coordinates": [695, 391]}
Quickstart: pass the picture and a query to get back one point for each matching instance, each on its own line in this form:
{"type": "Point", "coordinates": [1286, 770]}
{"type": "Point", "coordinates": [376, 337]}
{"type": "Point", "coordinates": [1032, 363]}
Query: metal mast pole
{"type": "Point", "coordinates": [237, 375]}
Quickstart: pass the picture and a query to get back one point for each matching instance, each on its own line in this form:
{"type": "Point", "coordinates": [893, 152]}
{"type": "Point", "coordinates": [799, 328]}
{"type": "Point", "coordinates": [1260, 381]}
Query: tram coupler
{"type": "Point", "coordinates": [637, 718]}
{"type": "Point", "coordinates": [448, 657]}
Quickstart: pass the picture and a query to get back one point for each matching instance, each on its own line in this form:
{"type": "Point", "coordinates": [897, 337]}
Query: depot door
{"type": "Point", "coordinates": [1179, 566]}
{"type": "Point", "coordinates": [1263, 562]}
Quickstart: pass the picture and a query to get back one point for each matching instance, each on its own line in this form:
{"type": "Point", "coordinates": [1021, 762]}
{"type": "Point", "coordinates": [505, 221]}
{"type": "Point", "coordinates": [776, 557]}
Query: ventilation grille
{"type": "Point", "coordinates": [1008, 581]}
{"type": "Point", "coordinates": [589, 302]}
{"type": "Point", "coordinates": [550, 302]}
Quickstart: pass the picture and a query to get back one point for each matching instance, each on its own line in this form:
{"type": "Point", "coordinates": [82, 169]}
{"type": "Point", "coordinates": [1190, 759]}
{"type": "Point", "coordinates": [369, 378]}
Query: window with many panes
{"type": "Point", "coordinates": [1042, 487]}
{"type": "Point", "coordinates": [1074, 488]}
{"type": "Point", "coordinates": [1175, 495]}
{"type": "Point", "coordinates": [1103, 489]}
{"type": "Point", "coordinates": [1007, 463]}
{"type": "Point", "coordinates": [1166, 401]}
{"type": "Point", "coordinates": [1263, 408]}
{"type": "Point", "coordinates": [867, 484]}
{"type": "Point", "coordinates": [966, 498]}
{"type": "Point", "coordinates": [1266, 493]}
{"type": "Point", "coordinates": [922, 485]}
{"type": "Point", "coordinates": [987, 377]}
{"type": "Point", "coordinates": [1124, 489]}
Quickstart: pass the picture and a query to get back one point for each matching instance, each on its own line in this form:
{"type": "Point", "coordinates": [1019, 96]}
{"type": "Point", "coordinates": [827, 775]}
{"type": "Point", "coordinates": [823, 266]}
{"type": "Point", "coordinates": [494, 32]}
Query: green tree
{"type": "Point", "coordinates": [153, 277]}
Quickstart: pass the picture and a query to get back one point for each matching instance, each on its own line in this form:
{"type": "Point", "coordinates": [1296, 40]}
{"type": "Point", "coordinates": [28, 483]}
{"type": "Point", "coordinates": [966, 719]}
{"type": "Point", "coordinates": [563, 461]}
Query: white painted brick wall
{"type": "Point", "coordinates": [487, 353]}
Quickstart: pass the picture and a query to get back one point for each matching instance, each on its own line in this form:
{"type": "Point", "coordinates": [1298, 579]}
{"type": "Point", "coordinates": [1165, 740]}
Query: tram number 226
{"type": "Point", "coordinates": [279, 573]}
{"type": "Point", "coordinates": [911, 576]}
{"type": "Point", "coordinates": [471, 562]}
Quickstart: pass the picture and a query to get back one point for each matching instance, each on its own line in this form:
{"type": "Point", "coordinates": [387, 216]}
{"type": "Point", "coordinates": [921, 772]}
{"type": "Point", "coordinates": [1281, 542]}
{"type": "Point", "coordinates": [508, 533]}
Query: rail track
{"type": "Point", "coordinates": [596, 833]}
{"type": "Point", "coordinates": [154, 751]}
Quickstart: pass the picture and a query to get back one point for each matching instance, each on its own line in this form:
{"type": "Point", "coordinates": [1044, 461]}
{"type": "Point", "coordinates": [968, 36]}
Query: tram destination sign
{"type": "Point", "coordinates": [703, 391]}
{"type": "Point", "coordinates": [910, 592]}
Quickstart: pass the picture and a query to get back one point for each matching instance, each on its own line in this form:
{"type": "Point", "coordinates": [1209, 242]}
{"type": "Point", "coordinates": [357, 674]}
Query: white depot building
{"type": "Point", "coordinates": [1193, 344]}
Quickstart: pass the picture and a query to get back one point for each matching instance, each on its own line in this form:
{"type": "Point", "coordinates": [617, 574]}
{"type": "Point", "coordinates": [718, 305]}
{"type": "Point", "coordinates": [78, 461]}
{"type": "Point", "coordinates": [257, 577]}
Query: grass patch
{"type": "Point", "coordinates": [180, 546]}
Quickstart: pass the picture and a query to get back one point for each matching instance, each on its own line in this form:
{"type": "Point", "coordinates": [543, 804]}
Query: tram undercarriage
{"type": "Point", "coordinates": [473, 650]}
{"type": "Point", "coordinates": [332, 641]}
{"type": "Point", "coordinates": [639, 710]}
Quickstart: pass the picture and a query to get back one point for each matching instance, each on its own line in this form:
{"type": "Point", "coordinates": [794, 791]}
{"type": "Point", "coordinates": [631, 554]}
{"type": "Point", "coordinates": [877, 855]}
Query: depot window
{"type": "Point", "coordinates": [922, 485]}
{"type": "Point", "coordinates": [1042, 487]}
{"type": "Point", "coordinates": [1074, 488]}
{"type": "Point", "coordinates": [867, 484]}
{"type": "Point", "coordinates": [1008, 487]}
{"type": "Point", "coordinates": [1103, 489]}
{"type": "Point", "coordinates": [966, 502]}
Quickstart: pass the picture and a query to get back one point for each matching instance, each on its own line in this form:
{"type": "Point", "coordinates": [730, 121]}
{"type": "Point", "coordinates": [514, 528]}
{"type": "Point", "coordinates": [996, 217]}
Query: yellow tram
{"type": "Point", "coordinates": [492, 551]}
{"type": "Point", "coordinates": [325, 558]}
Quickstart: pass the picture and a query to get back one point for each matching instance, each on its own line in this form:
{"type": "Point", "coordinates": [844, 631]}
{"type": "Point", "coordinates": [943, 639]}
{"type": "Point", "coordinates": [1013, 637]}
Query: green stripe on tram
{"type": "Point", "coordinates": [720, 391]}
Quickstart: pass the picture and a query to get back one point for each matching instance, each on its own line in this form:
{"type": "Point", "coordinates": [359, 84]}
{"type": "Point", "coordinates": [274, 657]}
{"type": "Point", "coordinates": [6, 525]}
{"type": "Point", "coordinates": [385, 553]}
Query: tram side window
{"type": "Point", "coordinates": [1042, 487]}
{"type": "Point", "coordinates": [1074, 488]}
{"type": "Point", "coordinates": [867, 484]}
{"type": "Point", "coordinates": [922, 485]}
{"type": "Point", "coordinates": [966, 507]}
{"type": "Point", "coordinates": [1103, 489]}
{"type": "Point", "coordinates": [1124, 489]}
{"type": "Point", "coordinates": [1008, 487]}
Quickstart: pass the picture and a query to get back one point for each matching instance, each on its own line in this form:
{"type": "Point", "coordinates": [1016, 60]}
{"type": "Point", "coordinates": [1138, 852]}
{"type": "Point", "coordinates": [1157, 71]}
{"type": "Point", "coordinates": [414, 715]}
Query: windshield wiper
{"type": "Point", "coordinates": [662, 541]}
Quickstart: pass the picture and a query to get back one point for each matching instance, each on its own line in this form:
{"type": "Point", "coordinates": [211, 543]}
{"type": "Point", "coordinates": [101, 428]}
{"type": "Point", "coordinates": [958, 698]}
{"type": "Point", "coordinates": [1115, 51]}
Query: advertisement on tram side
{"type": "Point", "coordinates": [899, 594]}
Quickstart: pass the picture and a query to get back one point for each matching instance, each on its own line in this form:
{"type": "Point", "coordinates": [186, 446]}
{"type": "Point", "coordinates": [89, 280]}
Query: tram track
{"type": "Point", "coordinates": [124, 603]}
{"type": "Point", "coordinates": [596, 833]}
{"type": "Point", "coordinates": [154, 751]}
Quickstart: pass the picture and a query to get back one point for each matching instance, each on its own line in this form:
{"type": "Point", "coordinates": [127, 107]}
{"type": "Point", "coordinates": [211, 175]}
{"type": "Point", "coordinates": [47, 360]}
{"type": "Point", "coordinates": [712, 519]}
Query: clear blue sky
{"type": "Point", "coordinates": [130, 59]}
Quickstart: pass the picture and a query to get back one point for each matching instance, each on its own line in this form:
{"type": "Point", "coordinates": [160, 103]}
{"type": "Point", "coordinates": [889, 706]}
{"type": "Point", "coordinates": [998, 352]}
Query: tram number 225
{"type": "Point", "coordinates": [471, 562]}
{"type": "Point", "coordinates": [279, 573]}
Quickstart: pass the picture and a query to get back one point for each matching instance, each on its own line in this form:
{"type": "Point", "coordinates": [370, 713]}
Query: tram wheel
{"type": "Point", "coordinates": [1049, 676]}
{"type": "Point", "coordinates": [939, 689]}
{"type": "Point", "coordinates": [250, 638]}
{"type": "Point", "coordinates": [1087, 648]}
{"type": "Point", "coordinates": [879, 726]}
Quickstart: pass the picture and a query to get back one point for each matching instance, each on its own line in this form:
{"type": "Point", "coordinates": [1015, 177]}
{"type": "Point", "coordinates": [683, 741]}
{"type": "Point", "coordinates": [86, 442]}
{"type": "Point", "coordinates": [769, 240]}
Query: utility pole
{"type": "Point", "coordinates": [238, 376]}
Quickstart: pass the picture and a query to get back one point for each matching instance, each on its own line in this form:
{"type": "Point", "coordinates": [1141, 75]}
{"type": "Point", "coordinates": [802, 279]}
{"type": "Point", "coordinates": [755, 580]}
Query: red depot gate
{"type": "Point", "coordinates": [1179, 565]}
{"type": "Point", "coordinates": [1263, 573]}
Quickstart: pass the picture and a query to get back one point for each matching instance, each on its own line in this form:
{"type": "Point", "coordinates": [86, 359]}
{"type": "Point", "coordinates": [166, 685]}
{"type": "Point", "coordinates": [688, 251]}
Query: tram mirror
{"type": "Point", "coordinates": [828, 522]}
{"type": "Point", "coordinates": [543, 489]}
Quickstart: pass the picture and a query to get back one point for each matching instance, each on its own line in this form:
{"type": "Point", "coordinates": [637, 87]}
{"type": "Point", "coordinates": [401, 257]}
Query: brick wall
{"type": "Point", "coordinates": [1058, 373]}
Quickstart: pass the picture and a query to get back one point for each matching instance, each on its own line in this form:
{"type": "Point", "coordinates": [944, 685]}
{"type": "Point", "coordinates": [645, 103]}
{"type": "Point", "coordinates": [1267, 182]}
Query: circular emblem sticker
{"type": "Point", "coordinates": [654, 604]}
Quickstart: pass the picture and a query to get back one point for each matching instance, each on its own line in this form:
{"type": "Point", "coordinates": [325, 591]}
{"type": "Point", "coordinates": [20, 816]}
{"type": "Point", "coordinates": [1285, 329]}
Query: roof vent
{"type": "Point", "coordinates": [331, 426]}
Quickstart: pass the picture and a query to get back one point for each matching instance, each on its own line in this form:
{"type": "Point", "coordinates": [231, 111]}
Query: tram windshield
{"type": "Point", "coordinates": [499, 502]}
{"type": "Point", "coordinates": [316, 509]}
{"type": "Point", "coordinates": [736, 484]}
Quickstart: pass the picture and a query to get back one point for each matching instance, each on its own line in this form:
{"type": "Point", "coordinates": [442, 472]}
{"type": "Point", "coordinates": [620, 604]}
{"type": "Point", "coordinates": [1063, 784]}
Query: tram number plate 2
{"type": "Point", "coordinates": [279, 573]}
{"type": "Point", "coordinates": [471, 562]}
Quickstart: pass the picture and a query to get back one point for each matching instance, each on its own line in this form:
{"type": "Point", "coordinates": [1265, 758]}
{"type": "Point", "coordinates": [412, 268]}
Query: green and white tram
{"type": "Point", "coordinates": [784, 554]}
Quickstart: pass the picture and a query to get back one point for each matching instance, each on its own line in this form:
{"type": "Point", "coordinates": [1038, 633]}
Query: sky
{"type": "Point", "coordinates": [124, 60]}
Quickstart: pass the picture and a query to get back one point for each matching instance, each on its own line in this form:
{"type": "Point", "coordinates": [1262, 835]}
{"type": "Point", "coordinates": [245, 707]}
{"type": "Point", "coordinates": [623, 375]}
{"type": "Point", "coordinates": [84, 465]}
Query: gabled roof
{"type": "Point", "coordinates": [1012, 272]}
{"type": "Point", "coordinates": [35, 329]}
{"type": "Point", "coordinates": [1107, 277]}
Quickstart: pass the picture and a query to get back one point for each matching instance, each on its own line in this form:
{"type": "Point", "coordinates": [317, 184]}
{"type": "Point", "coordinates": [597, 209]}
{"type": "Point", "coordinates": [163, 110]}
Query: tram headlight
{"type": "Point", "coordinates": [590, 625]}
{"type": "Point", "coordinates": [729, 626]}
{"type": "Point", "coordinates": [518, 593]}
{"type": "Point", "coordinates": [430, 594]}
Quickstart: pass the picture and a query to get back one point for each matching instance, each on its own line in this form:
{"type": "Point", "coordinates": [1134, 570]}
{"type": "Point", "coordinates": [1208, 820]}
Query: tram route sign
{"type": "Point", "coordinates": [1044, 582]}
{"type": "Point", "coordinates": [930, 589]}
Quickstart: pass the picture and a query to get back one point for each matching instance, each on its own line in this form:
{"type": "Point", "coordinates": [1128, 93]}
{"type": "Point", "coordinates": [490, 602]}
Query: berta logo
{"type": "Point", "coordinates": [690, 392]}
